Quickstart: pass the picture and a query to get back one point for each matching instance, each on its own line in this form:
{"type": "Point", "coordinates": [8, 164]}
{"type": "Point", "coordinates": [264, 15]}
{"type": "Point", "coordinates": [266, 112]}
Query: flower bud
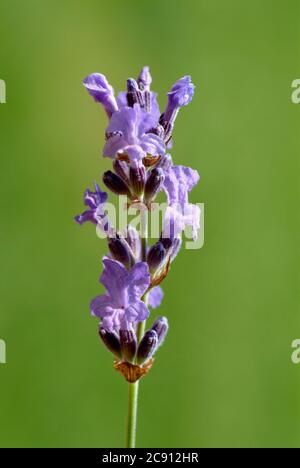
{"type": "Point", "coordinates": [161, 327]}
{"type": "Point", "coordinates": [128, 344]}
{"type": "Point", "coordinates": [111, 341]}
{"type": "Point", "coordinates": [134, 241]}
{"type": "Point", "coordinates": [137, 176]}
{"type": "Point", "coordinates": [132, 85]}
{"type": "Point", "coordinates": [119, 249]}
{"type": "Point", "coordinates": [180, 95]}
{"type": "Point", "coordinates": [156, 256]}
{"type": "Point", "coordinates": [172, 246]}
{"type": "Point", "coordinates": [147, 347]}
{"type": "Point", "coordinates": [114, 183]}
{"type": "Point", "coordinates": [167, 242]}
{"type": "Point", "coordinates": [154, 183]}
{"type": "Point", "coordinates": [134, 95]}
{"type": "Point", "coordinates": [144, 79]}
{"type": "Point", "coordinates": [121, 168]}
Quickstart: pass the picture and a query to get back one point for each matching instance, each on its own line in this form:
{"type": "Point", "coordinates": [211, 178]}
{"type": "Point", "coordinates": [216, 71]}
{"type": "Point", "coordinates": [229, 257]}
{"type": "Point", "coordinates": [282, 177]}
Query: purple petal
{"type": "Point", "coordinates": [112, 322]}
{"type": "Point", "coordinates": [138, 281]}
{"type": "Point", "coordinates": [127, 134]}
{"type": "Point", "coordinates": [86, 216]}
{"type": "Point", "coordinates": [101, 306]}
{"type": "Point", "coordinates": [149, 120]}
{"type": "Point", "coordinates": [152, 144]}
{"type": "Point", "coordinates": [122, 100]}
{"type": "Point", "coordinates": [114, 278]}
{"type": "Point", "coordinates": [177, 218]}
{"type": "Point", "coordinates": [165, 162]}
{"type": "Point", "coordinates": [136, 312]}
{"type": "Point", "coordinates": [125, 121]}
{"type": "Point", "coordinates": [179, 181]}
{"type": "Point", "coordinates": [181, 93]}
{"type": "Point", "coordinates": [94, 199]}
{"type": "Point", "coordinates": [173, 223]}
{"type": "Point", "coordinates": [154, 114]}
{"type": "Point", "coordinates": [114, 145]}
{"type": "Point", "coordinates": [99, 88]}
{"type": "Point", "coordinates": [155, 297]}
{"type": "Point", "coordinates": [135, 153]}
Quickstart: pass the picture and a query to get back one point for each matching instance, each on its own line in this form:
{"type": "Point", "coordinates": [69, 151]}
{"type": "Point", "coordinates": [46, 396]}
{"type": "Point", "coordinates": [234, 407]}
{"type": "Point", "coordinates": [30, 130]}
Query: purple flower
{"type": "Point", "coordinates": [122, 306]}
{"type": "Point", "coordinates": [127, 135]}
{"type": "Point", "coordinates": [155, 297]}
{"type": "Point", "coordinates": [99, 88]}
{"type": "Point", "coordinates": [154, 107]}
{"type": "Point", "coordinates": [181, 94]}
{"type": "Point", "coordinates": [96, 213]}
{"type": "Point", "coordinates": [179, 181]}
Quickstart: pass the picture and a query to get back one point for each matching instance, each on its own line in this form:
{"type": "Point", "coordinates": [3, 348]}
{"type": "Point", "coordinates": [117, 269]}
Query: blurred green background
{"type": "Point", "coordinates": [224, 376]}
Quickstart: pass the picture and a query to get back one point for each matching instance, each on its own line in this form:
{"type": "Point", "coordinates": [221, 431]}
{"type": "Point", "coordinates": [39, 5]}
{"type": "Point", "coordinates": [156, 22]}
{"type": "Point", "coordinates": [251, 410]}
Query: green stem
{"type": "Point", "coordinates": [134, 387]}
{"type": "Point", "coordinates": [132, 414]}
{"type": "Point", "coordinates": [133, 394]}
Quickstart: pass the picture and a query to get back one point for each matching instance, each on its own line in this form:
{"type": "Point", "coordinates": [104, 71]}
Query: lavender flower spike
{"type": "Point", "coordinates": [137, 138]}
{"type": "Point", "coordinates": [122, 306]}
{"type": "Point", "coordinates": [99, 88]}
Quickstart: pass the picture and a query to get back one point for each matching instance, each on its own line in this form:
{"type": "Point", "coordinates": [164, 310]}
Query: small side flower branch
{"type": "Point", "coordinates": [138, 138]}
